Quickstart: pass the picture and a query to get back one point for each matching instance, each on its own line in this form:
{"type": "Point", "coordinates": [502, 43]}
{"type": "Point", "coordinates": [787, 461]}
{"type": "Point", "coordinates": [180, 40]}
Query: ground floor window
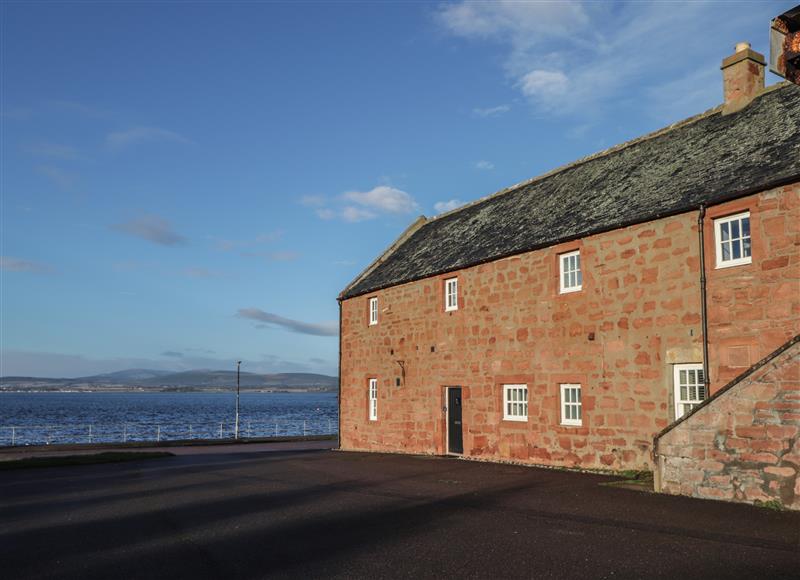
{"type": "Point", "coordinates": [571, 406]}
{"type": "Point", "coordinates": [690, 388]}
{"type": "Point", "coordinates": [373, 399]}
{"type": "Point", "coordinates": [515, 402]}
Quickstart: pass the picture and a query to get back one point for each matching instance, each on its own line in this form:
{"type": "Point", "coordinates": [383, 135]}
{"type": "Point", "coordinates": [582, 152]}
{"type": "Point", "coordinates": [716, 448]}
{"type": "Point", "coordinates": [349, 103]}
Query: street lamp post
{"type": "Point", "coordinates": [236, 428]}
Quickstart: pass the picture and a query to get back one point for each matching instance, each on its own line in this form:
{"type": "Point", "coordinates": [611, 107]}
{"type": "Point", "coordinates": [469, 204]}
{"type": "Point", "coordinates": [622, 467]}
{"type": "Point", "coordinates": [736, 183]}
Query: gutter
{"type": "Point", "coordinates": [703, 296]}
{"type": "Point", "coordinates": [339, 396]}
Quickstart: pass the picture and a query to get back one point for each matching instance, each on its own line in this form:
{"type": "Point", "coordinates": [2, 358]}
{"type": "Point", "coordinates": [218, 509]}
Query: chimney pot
{"type": "Point", "coordinates": [742, 77]}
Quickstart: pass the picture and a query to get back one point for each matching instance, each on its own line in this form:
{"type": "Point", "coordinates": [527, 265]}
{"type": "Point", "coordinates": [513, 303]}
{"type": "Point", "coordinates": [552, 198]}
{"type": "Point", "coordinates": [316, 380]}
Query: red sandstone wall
{"type": "Point", "coordinates": [755, 308]}
{"type": "Point", "coordinates": [742, 446]}
{"type": "Point", "coordinates": [640, 300]}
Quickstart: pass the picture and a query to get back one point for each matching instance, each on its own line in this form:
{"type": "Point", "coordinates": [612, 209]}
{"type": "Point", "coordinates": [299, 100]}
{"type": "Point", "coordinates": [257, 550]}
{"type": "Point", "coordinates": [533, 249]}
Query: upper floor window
{"type": "Point", "coordinates": [515, 402]}
{"type": "Point", "coordinates": [373, 399]}
{"type": "Point", "coordinates": [373, 310]}
{"type": "Point", "coordinates": [451, 294]}
{"type": "Point", "coordinates": [571, 405]}
{"type": "Point", "coordinates": [571, 276]}
{"type": "Point", "coordinates": [690, 388]}
{"type": "Point", "coordinates": [733, 240]}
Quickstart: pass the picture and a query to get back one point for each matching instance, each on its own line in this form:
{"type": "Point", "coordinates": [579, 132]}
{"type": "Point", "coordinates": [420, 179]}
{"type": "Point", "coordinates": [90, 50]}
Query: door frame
{"type": "Point", "coordinates": [446, 391]}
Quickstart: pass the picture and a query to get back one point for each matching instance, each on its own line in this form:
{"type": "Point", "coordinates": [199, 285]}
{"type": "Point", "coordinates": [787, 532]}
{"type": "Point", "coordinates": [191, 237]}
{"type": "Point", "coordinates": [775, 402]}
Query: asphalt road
{"type": "Point", "coordinates": [327, 514]}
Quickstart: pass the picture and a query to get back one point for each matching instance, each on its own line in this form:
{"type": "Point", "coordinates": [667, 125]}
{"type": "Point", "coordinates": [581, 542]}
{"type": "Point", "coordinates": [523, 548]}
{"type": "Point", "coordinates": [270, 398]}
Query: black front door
{"type": "Point", "coordinates": [455, 437]}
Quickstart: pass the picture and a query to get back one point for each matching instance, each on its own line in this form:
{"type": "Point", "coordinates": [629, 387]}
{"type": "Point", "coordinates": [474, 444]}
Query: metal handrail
{"type": "Point", "coordinates": [140, 431]}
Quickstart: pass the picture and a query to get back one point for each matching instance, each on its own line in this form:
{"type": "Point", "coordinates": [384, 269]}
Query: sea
{"type": "Point", "coordinates": [63, 417]}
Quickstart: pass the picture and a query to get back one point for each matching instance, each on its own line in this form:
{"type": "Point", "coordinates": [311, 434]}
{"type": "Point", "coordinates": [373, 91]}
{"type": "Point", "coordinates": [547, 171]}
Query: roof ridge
{"type": "Point", "coordinates": [602, 153]}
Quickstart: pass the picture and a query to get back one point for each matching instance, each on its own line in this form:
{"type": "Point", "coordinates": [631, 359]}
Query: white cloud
{"type": "Point", "coordinates": [354, 214]}
{"type": "Point", "coordinates": [384, 199]}
{"type": "Point", "coordinates": [359, 206]}
{"type": "Point", "coordinates": [484, 165]}
{"type": "Point", "coordinates": [570, 58]}
{"type": "Point", "coordinates": [325, 213]}
{"type": "Point", "coordinates": [143, 135]}
{"type": "Point", "coordinates": [544, 84]}
{"type": "Point", "coordinates": [491, 111]}
{"type": "Point", "coordinates": [443, 206]}
{"type": "Point", "coordinates": [313, 200]}
{"type": "Point", "coordinates": [522, 21]}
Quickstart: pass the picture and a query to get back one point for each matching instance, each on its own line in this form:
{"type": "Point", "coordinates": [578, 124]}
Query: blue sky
{"type": "Point", "coordinates": [187, 184]}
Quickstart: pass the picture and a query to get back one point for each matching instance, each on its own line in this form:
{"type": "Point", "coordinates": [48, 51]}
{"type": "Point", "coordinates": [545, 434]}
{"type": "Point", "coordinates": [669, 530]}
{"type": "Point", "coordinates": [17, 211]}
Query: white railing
{"type": "Point", "coordinates": [124, 432]}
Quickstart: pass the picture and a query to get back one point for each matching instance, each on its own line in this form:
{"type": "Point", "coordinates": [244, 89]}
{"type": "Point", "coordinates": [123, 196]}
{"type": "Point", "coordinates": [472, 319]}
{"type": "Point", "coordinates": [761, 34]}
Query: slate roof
{"type": "Point", "coordinates": [704, 160]}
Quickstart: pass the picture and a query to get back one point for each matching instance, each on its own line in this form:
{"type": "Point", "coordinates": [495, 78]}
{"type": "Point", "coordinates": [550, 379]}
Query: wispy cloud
{"type": "Point", "coordinates": [137, 135]}
{"type": "Point", "coordinates": [355, 214]}
{"type": "Point", "coordinates": [359, 206]}
{"type": "Point", "coordinates": [571, 57]}
{"type": "Point", "coordinates": [383, 199]}
{"type": "Point", "coordinates": [490, 111]}
{"type": "Point", "coordinates": [276, 256]}
{"type": "Point", "coordinates": [198, 272]}
{"type": "Point", "coordinates": [78, 108]}
{"type": "Point", "coordinates": [269, 319]}
{"type": "Point", "coordinates": [172, 353]}
{"type": "Point", "coordinates": [313, 200]}
{"type": "Point", "coordinates": [62, 179]}
{"type": "Point", "coordinates": [443, 206]}
{"type": "Point", "coordinates": [325, 213]}
{"type": "Point", "coordinates": [228, 245]}
{"type": "Point", "coordinates": [152, 228]}
{"type": "Point", "coordinates": [51, 150]}
{"type": "Point", "coordinates": [9, 264]}
{"type": "Point", "coordinates": [484, 165]}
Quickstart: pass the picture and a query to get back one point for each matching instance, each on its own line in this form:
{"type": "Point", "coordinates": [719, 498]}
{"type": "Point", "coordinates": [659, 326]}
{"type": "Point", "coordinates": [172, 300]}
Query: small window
{"type": "Point", "coordinates": [571, 406]}
{"type": "Point", "coordinates": [451, 294]}
{"type": "Point", "coordinates": [571, 276]}
{"type": "Point", "coordinates": [373, 310]}
{"type": "Point", "coordinates": [515, 402]}
{"type": "Point", "coordinates": [373, 399]}
{"type": "Point", "coordinates": [733, 240]}
{"type": "Point", "coordinates": [690, 388]}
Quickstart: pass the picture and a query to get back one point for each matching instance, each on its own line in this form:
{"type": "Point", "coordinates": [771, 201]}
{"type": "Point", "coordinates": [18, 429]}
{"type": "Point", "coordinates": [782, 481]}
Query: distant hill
{"type": "Point", "coordinates": [195, 380]}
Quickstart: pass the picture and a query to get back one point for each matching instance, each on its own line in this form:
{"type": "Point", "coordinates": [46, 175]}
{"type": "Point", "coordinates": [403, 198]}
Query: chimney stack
{"type": "Point", "coordinates": [742, 77]}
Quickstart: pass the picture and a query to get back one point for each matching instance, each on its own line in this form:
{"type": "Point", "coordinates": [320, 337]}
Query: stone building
{"type": "Point", "coordinates": [569, 319]}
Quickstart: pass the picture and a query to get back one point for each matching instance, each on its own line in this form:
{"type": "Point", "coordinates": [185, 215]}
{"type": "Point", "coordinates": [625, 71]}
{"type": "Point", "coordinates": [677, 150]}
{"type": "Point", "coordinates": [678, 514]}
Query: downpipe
{"type": "Point", "coordinates": [703, 296]}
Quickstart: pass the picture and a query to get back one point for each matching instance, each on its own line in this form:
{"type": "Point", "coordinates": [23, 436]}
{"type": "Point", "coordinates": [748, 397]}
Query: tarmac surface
{"type": "Point", "coordinates": [328, 514]}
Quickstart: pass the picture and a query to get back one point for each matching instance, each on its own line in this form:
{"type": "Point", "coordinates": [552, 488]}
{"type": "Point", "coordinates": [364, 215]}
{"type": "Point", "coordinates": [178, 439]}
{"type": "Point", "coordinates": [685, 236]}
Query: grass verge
{"type": "Point", "coordinates": [632, 479]}
{"type": "Point", "coordinates": [94, 459]}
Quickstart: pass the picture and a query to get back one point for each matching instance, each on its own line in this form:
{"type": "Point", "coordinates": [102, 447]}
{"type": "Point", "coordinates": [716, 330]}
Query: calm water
{"type": "Point", "coordinates": [95, 417]}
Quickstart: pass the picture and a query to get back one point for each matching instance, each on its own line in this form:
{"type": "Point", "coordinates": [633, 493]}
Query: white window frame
{"type": "Point", "coordinates": [571, 404]}
{"type": "Point", "coordinates": [718, 241]}
{"type": "Point", "coordinates": [373, 311]}
{"type": "Point", "coordinates": [680, 402]}
{"type": "Point", "coordinates": [564, 260]}
{"type": "Point", "coordinates": [451, 294]}
{"type": "Point", "coordinates": [515, 409]}
{"type": "Point", "coordinates": [373, 399]}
